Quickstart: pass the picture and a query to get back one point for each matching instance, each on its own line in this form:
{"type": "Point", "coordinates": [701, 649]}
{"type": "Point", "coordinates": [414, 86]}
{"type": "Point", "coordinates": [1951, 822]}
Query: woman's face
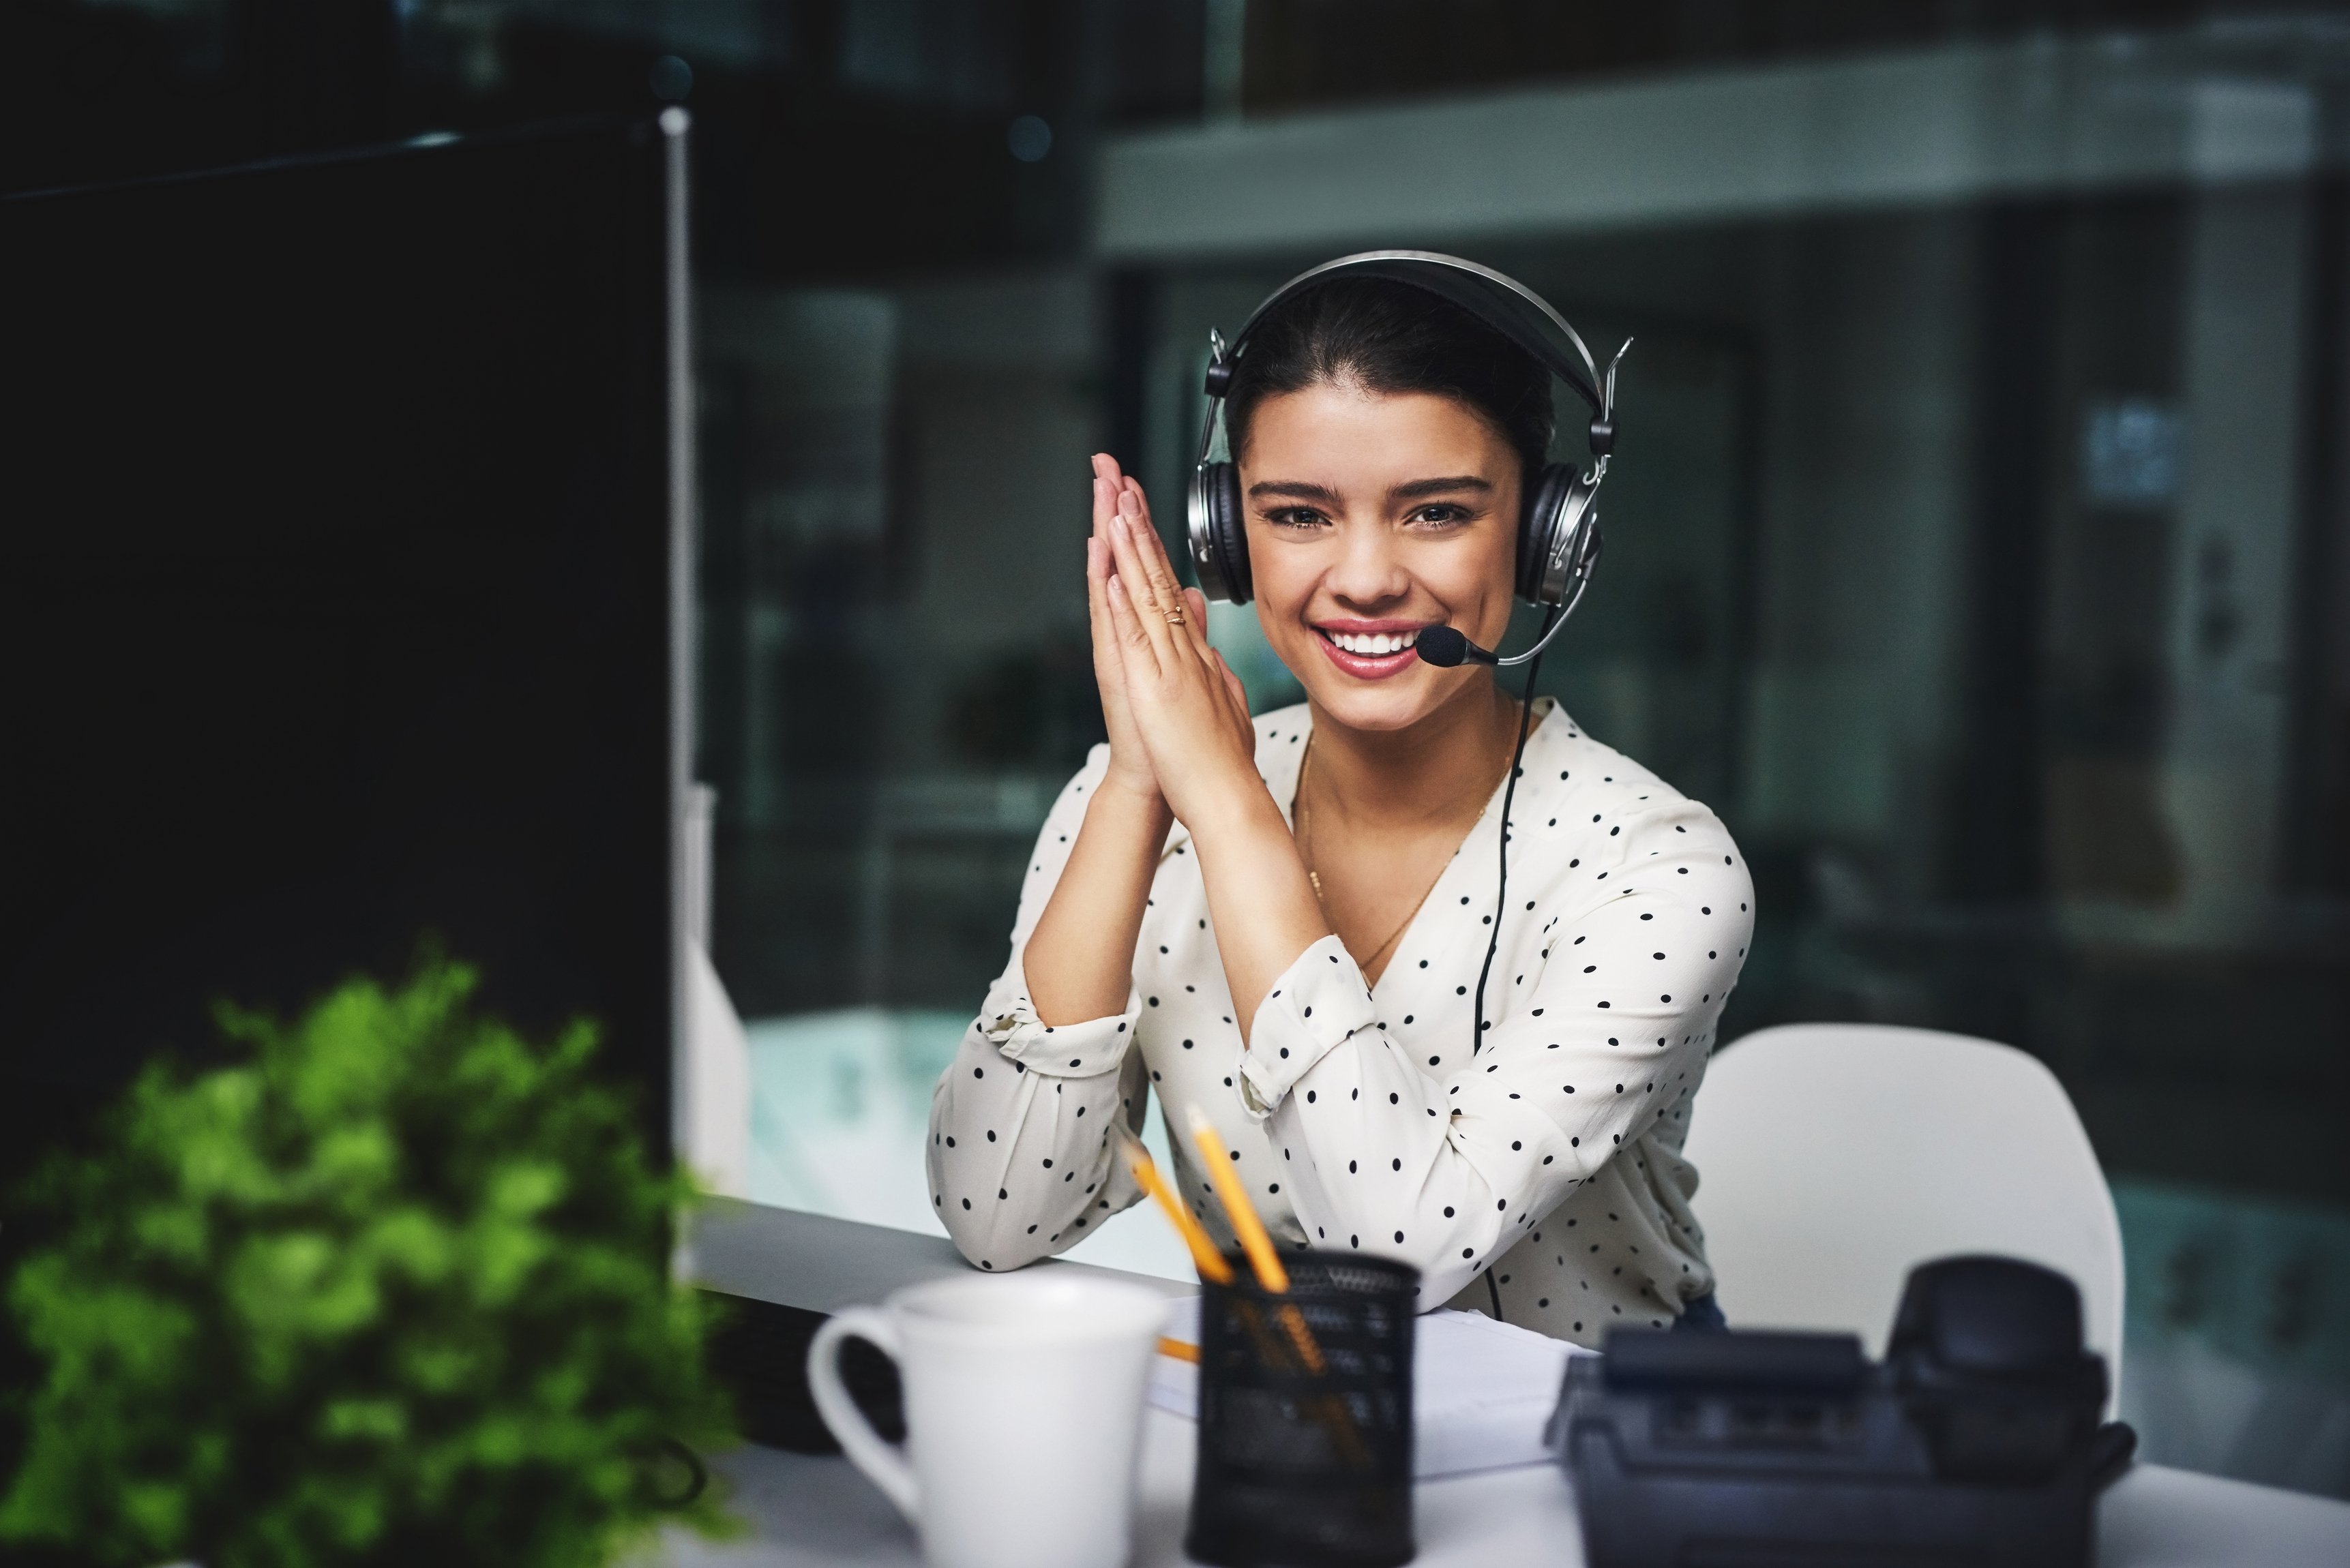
{"type": "Point", "coordinates": [1370, 517]}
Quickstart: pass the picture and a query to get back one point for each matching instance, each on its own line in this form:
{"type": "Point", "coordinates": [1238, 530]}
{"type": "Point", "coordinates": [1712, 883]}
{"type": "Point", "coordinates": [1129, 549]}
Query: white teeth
{"type": "Point", "coordinates": [1373, 644]}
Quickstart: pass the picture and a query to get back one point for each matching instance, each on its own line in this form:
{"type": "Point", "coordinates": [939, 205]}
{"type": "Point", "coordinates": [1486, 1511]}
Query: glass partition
{"type": "Point", "coordinates": [1975, 548]}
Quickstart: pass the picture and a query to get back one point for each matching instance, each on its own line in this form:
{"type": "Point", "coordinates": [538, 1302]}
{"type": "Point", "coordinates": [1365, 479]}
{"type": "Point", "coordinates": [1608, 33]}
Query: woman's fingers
{"type": "Point", "coordinates": [1149, 608]}
{"type": "Point", "coordinates": [1156, 588]}
{"type": "Point", "coordinates": [1129, 511]}
{"type": "Point", "coordinates": [1130, 757]}
{"type": "Point", "coordinates": [1101, 559]}
{"type": "Point", "coordinates": [1105, 506]}
{"type": "Point", "coordinates": [1110, 486]}
{"type": "Point", "coordinates": [1142, 592]}
{"type": "Point", "coordinates": [1098, 579]}
{"type": "Point", "coordinates": [1137, 651]}
{"type": "Point", "coordinates": [1110, 659]}
{"type": "Point", "coordinates": [1195, 619]}
{"type": "Point", "coordinates": [1165, 588]}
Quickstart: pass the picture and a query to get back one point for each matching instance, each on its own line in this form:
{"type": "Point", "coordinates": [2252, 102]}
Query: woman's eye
{"type": "Point", "coordinates": [1295, 517]}
{"type": "Point", "coordinates": [1441, 514]}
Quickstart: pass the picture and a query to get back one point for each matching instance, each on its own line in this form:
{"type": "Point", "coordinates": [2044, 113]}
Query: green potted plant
{"type": "Point", "coordinates": [391, 1288]}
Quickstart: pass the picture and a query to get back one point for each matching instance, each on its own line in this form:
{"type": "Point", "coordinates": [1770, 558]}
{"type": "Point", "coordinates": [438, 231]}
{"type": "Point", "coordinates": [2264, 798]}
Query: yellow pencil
{"type": "Point", "coordinates": [1204, 1256]}
{"type": "Point", "coordinates": [1332, 1412]}
{"type": "Point", "coordinates": [1254, 1238]}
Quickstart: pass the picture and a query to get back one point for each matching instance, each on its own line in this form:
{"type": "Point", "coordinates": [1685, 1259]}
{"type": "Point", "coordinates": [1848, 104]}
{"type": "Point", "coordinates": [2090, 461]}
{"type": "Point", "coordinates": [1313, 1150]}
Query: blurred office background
{"type": "Point", "coordinates": [1978, 546]}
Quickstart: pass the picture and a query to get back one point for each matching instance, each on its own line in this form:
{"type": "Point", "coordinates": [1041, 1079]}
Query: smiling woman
{"type": "Point", "coordinates": [1415, 515]}
{"type": "Point", "coordinates": [1280, 921]}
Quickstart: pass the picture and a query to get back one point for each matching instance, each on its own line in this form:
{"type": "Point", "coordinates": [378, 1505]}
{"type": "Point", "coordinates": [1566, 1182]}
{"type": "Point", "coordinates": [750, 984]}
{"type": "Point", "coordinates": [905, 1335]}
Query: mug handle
{"type": "Point", "coordinates": [883, 1463]}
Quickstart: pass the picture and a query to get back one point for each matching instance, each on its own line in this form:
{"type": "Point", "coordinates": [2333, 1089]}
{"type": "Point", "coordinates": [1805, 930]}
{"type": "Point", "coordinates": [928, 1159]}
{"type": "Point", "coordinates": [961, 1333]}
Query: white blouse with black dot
{"type": "Point", "coordinates": [1546, 1157]}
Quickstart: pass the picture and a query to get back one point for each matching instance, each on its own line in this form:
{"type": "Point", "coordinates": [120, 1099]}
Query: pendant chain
{"type": "Point", "coordinates": [1305, 853]}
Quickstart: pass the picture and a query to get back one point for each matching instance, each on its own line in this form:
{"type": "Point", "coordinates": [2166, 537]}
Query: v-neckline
{"type": "Point", "coordinates": [1403, 938]}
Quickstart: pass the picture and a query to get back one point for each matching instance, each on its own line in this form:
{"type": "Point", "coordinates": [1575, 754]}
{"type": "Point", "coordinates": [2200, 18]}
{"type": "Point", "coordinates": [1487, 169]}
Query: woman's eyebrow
{"type": "Point", "coordinates": [1294, 489]}
{"type": "Point", "coordinates": [1420, 487]}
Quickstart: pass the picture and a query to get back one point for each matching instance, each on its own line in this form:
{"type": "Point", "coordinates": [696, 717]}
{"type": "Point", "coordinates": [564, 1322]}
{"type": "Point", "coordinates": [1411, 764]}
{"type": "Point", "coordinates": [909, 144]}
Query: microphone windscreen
{"type": "Point", "coordinates": [1441, 646]}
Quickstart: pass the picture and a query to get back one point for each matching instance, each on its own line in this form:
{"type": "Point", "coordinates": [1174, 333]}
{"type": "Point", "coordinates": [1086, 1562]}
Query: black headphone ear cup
{"type": "Point", "coordinates": [1232, 533]}
{"type": "Point", "coordinates": [1219, 545]}
{"type": "Point", "coordinates": [1552, 507]}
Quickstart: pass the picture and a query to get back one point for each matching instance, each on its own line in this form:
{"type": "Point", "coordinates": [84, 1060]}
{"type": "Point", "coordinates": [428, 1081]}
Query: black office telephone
{"type": "Point", "coordinates": [1976, 1439]}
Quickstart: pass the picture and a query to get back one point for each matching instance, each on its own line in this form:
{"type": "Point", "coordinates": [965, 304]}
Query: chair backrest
{"type": "Point", "coordinates": [1832, 1157]}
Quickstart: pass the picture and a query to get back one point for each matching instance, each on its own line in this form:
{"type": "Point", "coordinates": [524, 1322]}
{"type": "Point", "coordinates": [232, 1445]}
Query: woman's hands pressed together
{"type": "Point", "coordinates": [1115, 495]}
{"type": "Point", "coordinates": [1172, 691]}
{"type": "Point", "coordinates": [1189, 711]}
{"type": "Point", "coordinates": [1180, 746]}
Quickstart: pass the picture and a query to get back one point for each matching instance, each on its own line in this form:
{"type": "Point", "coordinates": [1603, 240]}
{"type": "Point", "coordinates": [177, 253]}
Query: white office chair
{"type": "Point", "coordinates": [1832, 1157]}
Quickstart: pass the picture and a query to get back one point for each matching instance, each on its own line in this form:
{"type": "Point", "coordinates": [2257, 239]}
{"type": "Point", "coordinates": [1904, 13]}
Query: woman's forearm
{"type": "Point", "coordinates": [1258, 894]}
{"type": "Point", "coordinates": [1080, 959]}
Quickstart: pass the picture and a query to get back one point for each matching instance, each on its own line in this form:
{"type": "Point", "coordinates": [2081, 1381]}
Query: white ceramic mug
{"type": "Point", "coordinates": [1024, 1414]}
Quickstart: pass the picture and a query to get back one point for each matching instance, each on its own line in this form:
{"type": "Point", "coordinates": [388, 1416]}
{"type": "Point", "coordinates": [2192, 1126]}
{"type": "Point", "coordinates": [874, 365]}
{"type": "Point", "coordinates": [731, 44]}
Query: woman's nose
{"type": "Point", "coordinates": [1368, 570]}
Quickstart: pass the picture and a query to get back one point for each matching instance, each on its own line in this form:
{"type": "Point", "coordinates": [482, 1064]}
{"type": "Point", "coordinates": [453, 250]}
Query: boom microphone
{"type": "Point", "coordinates": [1444, 647]}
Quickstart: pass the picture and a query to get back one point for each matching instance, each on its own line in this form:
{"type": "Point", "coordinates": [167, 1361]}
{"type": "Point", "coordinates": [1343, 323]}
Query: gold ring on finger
{"type": "Point", "coordinates": [1174, 617]}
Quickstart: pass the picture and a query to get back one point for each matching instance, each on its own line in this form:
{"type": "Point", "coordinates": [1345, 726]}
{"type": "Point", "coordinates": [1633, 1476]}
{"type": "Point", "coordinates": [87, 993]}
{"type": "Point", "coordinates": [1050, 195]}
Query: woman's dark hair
{"type": "Point", "coordinates": [1388, 338]}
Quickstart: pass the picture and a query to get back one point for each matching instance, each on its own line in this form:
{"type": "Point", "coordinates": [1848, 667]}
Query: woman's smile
{"type": "Point", "coordinates": [1370, 649]}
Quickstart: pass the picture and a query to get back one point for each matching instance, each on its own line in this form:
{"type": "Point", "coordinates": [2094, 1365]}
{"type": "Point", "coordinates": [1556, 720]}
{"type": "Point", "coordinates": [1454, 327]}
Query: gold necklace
{"type": "Point", "coordinates": [1305, 853]}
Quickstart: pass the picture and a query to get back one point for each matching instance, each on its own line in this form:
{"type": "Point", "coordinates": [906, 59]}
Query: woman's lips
{"type": "Point", "coordinates": [1368, 666]}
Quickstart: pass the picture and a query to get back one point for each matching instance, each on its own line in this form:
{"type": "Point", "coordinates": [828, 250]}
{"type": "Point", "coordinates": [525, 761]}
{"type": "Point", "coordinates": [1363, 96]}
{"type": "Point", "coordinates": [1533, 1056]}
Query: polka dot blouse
{"type": "Point", "coordinates": [1546, 1156]}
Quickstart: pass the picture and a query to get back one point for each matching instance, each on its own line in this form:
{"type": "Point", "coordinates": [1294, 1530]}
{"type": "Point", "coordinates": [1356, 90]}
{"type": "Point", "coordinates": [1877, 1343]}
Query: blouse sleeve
{"type": "Point", "coordinates": [1447, 1172]}
{"type": "Point", "coordinates": [1019, 1159]}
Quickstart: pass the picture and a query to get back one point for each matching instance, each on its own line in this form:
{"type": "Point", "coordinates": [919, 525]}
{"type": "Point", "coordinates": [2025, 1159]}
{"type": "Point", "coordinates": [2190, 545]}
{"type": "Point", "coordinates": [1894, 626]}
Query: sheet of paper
{"type": "Point", "coordinates": [1482, 1391]}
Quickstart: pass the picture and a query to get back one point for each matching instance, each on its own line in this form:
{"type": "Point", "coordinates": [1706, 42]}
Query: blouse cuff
{"type": "Point", "coordinates": [1318, 1004]}
{"type": "Point", "coordinates": [1080, 1050]}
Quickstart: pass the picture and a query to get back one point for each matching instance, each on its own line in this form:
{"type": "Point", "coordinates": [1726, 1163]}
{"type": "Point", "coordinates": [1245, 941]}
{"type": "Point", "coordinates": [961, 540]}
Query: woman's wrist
{"type": "Point", "coordinates": [1133, 801]}
{"type": "Point", "coordinates": [1245, 843]}
{"type": "Point", "coordinates": [1238, 808]}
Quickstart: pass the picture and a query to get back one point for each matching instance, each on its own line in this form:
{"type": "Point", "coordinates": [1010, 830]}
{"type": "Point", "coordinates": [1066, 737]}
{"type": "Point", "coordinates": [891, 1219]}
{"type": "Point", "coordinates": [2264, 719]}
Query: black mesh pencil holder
{"type": "Point", "coordinates": [1305, 1418]}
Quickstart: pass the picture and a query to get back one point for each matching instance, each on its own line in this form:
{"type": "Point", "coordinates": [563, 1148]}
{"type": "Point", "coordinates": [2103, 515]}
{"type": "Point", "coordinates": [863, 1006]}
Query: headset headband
{"type": "Point", "coordinates": [1501, 302]}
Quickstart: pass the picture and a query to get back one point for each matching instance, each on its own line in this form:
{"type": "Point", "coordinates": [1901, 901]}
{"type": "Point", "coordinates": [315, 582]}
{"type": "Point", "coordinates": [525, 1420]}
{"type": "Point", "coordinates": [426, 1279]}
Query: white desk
{"type": "Point", "coordinates": [810, 1512]}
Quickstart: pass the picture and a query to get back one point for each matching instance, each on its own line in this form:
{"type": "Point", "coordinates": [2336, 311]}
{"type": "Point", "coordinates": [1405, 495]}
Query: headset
{"type": "Point", "coordinates": [1558, 535]}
